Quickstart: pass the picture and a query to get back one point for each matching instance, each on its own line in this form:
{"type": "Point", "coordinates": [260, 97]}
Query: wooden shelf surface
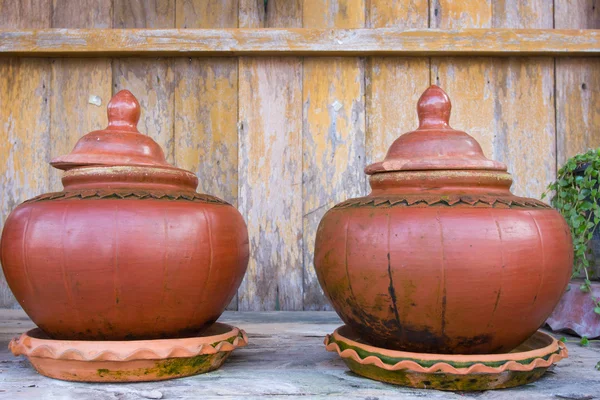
{"type": "Point", "coordinates": [311, 42]}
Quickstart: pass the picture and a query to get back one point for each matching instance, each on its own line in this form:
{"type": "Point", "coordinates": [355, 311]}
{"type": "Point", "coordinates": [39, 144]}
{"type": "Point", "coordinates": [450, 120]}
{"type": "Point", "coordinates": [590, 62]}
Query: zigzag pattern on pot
{"type": "Point", "coordinates": [443, 200]}
{"type": "Point", "coordinates": [91, 194]}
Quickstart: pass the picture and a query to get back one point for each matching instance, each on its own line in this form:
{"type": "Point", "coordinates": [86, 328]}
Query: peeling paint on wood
{"type": "Point", "coordinates": [72, 115]}
{"type": "Point", "coordinates": [271, 181]}
{"type": "Point", "coordinates": [506, 103]}
{"type": "Point", "coordinates": [24, 119]}
{"type": "Point", "coordinates": [152, 80]}
{"type": "Point", "coordinates": [270, 165]}
{"type": "Point", "coordinates": [393, 84]}
{"type": "Point", "coordinates": [75, 80]}
{"type": "Point", "coordinates": [299, 42]}
{"type": "Point", "coordinates": [577, 85]}
{"type": "Point", "coordinates": [206, 106]}
{"type": "Point", "coordinates": [333, 131]}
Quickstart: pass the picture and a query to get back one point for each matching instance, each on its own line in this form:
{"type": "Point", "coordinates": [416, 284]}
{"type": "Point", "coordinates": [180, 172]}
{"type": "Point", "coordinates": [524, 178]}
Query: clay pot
{"type": "Point", "coordinates": [441, 257]}
{"type": "Point", "coordinates": [128, 250]}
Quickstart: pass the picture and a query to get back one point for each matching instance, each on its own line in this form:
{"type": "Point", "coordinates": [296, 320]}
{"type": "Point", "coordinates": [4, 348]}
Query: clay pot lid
{"type": "Point", "coordinates": [434, 145]}
{"type": "Point", "coordinates": [120, 144]}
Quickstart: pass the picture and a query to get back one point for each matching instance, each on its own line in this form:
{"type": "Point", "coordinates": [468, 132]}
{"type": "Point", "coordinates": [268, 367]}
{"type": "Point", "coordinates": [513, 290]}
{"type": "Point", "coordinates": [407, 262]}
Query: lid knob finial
{"type": "Point", "coordinates": [123, 112]}
{"type": "Point", "coordinates": [434, 108]}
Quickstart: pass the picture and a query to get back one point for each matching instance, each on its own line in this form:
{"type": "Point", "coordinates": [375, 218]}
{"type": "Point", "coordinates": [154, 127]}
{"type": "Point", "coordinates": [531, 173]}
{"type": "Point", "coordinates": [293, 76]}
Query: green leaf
{"type": "Point", "coordinates": [584, 288]}
{"type": "Point", "coordinates": [584, 341]}
{"type": "Point", "coordinates": [563, 339]}
{"type": "Point", "coordinates": [597, 310]}
{"type": "Point", "coordinates": [598, 366]}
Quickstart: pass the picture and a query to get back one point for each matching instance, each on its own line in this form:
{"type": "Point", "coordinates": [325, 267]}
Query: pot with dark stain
{"type": "Point", "coordinates": [441, 257]}
{"type": "Point", "coordinates": [128, 250]}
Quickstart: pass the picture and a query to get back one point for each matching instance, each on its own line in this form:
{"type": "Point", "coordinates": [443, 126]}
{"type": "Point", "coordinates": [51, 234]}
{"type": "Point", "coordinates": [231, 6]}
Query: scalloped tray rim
{"type": "Point", "coordinates": [510, 364]}
{"type": "Point", "coordinates": [51, 348]}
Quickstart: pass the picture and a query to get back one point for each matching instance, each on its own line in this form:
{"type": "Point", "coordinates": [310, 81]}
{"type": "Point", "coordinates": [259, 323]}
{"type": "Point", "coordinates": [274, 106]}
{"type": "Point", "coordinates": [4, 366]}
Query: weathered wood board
{"type": "Point", "coordinates": [80, 87]}
{"type": "Point", "coordinates": [577, 85]}
{"type": "Point", "coordinates": [280, 116]}
{"type": "Point", "coordinates": [151, 80]}
{"type": "Point", "coordinates": [333, 131]}
{"type": "Point", "coordinates": [270, 166]}
{"type": "Point", "coordinates": [507, 104]}
{"type": "Point", "coordinates": [24, 118]}
{"type": "Point", "coordinates": [206, 106]}
{"type": "Point", "coordinates": [299, 42]}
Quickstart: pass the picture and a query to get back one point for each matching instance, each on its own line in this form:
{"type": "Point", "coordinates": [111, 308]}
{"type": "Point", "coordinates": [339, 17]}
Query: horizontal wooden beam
{"type": "Point", "coordinates": [314, 42]}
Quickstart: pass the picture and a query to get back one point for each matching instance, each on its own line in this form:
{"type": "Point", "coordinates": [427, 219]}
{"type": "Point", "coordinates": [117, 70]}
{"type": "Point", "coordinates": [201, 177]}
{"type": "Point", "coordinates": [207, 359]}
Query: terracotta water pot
{"type": "Point", "coordinates": [441, 257]}
{"type": "Point", "coordinates": [128, 250]}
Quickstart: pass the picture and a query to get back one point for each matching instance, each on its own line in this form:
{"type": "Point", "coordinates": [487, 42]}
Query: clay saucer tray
{"type": "Point", "coordinates": [525, 364]}
{"type": "Point", "coordinates": [129, 361]}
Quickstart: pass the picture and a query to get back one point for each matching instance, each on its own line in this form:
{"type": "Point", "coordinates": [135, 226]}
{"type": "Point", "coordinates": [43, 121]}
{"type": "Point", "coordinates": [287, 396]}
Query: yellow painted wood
{"type": "Point", "coordinates": [271, 181]}
{"type": "Point", "coordinates": [460, 14]}
{"type": "Point", "coordinates": [525, 123]}
{"type": "Point", "coordinates": [270, 165]}
{"type": "Point", "coordinates": [191, 14]}
{"type": "Point", "coordinates": [333, 130]}
{"type": "Point", "coordinates": [577, 85]}
{"type": "Point", "coordinates": [469, 81]}
{"type": "Point", "coordinates": [393, 84]}
{"type": "Point", "coordinates": [206, 106]}
{"type": "Point", "coordinates": [24, 119]}
{"type": "Point", "coordinates": [152, 81]}
{"type": "Point", "coordinates": [299, 42]}
{"type": "Point", "coordinates": [506, 104]}
{"type": "Point", "coordinates": [77, 84]}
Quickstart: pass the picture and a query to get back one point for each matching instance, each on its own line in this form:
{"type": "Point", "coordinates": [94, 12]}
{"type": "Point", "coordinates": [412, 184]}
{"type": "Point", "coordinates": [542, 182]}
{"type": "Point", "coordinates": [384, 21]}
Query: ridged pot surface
{"type": "Point", "coordinates": [443, 279]}
{"type": "Point", "coordinates": [128, 250]}
{"type": "Point", "coordinates": [112, 269]}
{"type": "Point", "coordinates": [441, 257]}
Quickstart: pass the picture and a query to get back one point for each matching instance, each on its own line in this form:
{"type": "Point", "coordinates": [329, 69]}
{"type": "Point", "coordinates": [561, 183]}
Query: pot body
{"type": "Point", "coordinates": [109, 267]}
{"type": "Point", "coordinates": [415, 270]}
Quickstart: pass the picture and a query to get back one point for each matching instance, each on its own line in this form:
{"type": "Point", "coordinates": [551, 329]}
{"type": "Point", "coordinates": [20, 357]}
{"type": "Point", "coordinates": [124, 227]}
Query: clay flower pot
{"type": "Point", "coordinates": [128, 250]}
{"type": "Point", "coordinates": [441, 257]}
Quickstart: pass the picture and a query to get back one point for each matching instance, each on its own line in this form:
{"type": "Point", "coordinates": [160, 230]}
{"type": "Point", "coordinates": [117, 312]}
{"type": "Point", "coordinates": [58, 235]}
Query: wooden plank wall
{"type": "Point", "coordinates": [285, 138]}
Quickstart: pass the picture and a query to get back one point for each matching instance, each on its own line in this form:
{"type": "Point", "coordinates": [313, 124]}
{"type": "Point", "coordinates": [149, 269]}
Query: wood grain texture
{"type": "Point", "coordinates": [144, 14]}
{"type": "Point", "coordinates": [516, 94]}
{"type": "Point", "coordinates": [24, 119]}
{"type": "Point", "coordinates": [333, 131]}
{"type": "Point", "coordinates": [280, 14]}
{"type": "Point", "coordinates": [577, 85]}
{"type": "Point", "coordinates": [76, 14]}
{"type": "Point", "coordinates": [524, 88]}
{"type": "Point", "coordinates": [150, 80]}
{"type": "Point", "coordinates": [270, 165]}
{"type": "Point", "coordinates": [206, 106]}
{"type": "Point", "coordinates": [271, 182]}
{"type": "Point", "coordinates": [76, 81]}
{"type": "Point", "coordinates": [393, 84]}
{"type": "Point", "coordinates": [25, 14]}
{"type": "Point", "coordinates": [299, 41]}
{"type": "Point", "coordinates": [192, 14]}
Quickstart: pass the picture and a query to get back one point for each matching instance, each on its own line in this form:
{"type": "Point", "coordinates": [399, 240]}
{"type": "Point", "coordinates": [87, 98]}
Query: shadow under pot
{"type": "Point", "coordinates": [128, 250]}
{"type": "Point", "coordinates": [441, 257]}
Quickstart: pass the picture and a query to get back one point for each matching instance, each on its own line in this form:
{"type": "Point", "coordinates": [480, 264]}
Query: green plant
{"type": "Point", "coordinates": [577, 197]}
